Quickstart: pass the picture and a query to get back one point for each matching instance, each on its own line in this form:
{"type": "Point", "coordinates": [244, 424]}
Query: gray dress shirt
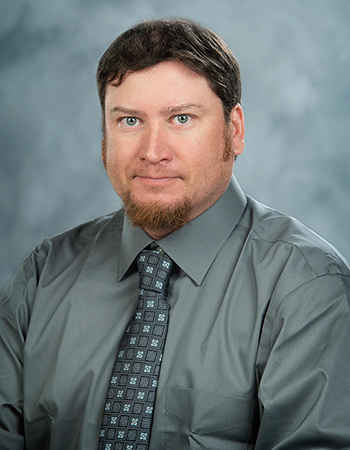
{"type": "Point", "coordinates": [257, 352]}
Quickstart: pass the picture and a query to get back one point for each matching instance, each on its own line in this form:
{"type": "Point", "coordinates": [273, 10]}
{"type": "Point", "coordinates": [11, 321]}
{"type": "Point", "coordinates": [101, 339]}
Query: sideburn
{"type": "Point", "coordinates": [104, 148]}
{"type": "Point", "coordinates": [228, 140]}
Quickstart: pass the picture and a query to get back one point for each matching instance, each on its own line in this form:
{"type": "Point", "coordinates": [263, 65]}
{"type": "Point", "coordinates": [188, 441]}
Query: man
{"type": "Point", "coordinates": [256, 352]}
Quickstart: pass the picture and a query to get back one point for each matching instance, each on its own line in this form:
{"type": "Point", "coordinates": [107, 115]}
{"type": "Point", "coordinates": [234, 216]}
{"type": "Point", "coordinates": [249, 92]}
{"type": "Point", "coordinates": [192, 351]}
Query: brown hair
{"type": "Point", "coordinates": [151, 42]}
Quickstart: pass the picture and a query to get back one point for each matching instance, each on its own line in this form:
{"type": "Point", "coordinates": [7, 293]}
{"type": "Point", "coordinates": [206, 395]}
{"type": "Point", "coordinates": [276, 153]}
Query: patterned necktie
{"type": "Point", "coordinates": [127, 418]}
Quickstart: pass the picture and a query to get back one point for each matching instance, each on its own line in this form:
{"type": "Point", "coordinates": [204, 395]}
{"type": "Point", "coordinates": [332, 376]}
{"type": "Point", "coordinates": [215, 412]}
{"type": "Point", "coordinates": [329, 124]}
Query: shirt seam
{"type": "Point", "coordinates": [312, 280]}
{"type": "Point", "coordinates": [292, 245]}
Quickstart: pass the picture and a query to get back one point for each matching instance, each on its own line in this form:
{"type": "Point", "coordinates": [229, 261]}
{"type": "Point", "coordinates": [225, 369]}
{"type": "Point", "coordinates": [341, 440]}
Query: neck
{"type": "Point", "coordinates": [159, 234]}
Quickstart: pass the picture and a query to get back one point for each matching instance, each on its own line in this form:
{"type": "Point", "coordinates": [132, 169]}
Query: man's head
{"type": "Point", "coordinates": [172, 121]}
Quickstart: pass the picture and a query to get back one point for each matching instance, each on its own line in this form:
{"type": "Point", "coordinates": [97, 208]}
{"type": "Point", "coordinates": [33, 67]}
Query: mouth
{"type": "Point", "coordinates": [156, 181]}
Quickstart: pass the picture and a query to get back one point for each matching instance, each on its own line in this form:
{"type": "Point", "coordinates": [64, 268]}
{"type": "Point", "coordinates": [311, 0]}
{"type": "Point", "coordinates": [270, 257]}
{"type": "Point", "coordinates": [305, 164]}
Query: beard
{"type": "Point", "coordinates": [155, 216]}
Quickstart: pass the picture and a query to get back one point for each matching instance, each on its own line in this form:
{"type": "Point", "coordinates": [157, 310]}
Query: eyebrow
{"type": "Point", "coordinates": [165, 111]}
{"type": "Point", "coordinates": [182, 107]}
{"type": "Point", "coordinates": [126, 111]}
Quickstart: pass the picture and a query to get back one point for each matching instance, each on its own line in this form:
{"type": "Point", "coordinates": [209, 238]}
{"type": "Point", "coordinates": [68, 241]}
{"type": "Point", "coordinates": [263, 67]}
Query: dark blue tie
{"type": "Point", "coordinates": [127, 417]}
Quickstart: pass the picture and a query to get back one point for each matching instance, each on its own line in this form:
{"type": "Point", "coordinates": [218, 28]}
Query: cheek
{"type": "Point", "coordinates": [113, 153]}
{"type": "Point", "coordinates": [112, 163]}
{"type": "Point", "coordinates": [213, 172]}
{"type": "Point", "coordinates": [120, 150]}
{"type": "Point", "coordinates": [211, 157]}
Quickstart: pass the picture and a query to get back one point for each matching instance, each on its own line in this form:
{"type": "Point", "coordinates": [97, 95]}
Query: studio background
{"type": "Point", "coordinates": [295, 61]}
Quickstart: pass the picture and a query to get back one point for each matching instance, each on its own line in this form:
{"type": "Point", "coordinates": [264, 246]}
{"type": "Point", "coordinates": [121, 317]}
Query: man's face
{"type": "Point", "coordinates": [166, 143]}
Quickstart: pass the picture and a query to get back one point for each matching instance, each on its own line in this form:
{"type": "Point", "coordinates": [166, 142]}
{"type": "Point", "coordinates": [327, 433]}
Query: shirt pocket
{"type": "Point", "coordinates": [198, 419]}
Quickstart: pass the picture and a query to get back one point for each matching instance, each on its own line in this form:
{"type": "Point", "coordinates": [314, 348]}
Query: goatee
{"type": "Point", "coordinates": [153, 216]}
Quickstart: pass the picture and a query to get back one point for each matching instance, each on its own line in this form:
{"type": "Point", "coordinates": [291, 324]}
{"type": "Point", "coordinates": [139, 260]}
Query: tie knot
{"type": "Point", "coordinates": [154, 270]}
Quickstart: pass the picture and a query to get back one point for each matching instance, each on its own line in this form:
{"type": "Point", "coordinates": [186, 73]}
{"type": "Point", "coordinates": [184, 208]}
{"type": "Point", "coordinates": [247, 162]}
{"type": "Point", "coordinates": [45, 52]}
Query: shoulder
{"type": "Point", "coordinates": [286, 256]}
{"type": "Point", "coordinates": [273, 231]}
{"type": "Point", "coordinates": [89, 234]}
{"type": "Point", "coordinates": [56, 253]}
{"type": "Point", "coordinates": [59, 262]}
{"type": "Point", "coordinates": [306, 280]}
{"type": "Point", "coordinates": [86, 231]}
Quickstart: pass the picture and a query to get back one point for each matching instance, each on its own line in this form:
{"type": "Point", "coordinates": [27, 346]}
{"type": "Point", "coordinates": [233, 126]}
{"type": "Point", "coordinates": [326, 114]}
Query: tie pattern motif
{"type": "Point", "coordinates": [127, 418]}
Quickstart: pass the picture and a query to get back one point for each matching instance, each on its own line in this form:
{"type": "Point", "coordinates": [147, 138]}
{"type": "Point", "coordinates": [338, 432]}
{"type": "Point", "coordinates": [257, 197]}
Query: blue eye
{"type": "Point", "coordinates": [130, 121]}
{"type": "Point", "coordinates": [182, 118]}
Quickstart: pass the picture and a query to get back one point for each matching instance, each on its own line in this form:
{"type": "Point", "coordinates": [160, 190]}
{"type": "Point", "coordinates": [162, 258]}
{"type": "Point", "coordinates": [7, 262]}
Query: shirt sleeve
{"type": "Point", "coordinates": [15, 304]}
{"type": "Point", "coordinates": [304, 369]}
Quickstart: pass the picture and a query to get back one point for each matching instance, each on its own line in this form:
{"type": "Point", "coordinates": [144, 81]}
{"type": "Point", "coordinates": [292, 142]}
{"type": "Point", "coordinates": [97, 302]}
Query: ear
{"type": "Point", "coordinates": [238, 129]}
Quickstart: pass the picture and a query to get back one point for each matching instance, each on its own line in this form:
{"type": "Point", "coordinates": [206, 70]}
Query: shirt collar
{"type": "Point", "coordinates": [194, 246]}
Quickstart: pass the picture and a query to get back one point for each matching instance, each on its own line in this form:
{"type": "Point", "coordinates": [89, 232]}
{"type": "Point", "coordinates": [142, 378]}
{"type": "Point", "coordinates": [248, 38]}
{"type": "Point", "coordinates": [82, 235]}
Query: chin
{"type": "Point", "coordinates": [155, 214]}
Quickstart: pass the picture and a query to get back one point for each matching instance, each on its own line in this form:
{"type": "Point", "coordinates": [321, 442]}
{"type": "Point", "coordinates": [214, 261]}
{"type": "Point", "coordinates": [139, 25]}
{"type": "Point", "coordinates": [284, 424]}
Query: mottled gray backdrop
{"type": "Point", "coordinates": [295, 59]}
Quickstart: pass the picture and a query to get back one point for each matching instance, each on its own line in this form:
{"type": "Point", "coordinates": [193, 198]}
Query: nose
{"type": "Point", "coordinates": [155, 147]}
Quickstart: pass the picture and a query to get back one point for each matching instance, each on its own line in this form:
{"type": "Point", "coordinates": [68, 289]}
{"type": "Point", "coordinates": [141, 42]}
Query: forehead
{"type": "Point", "coordinates": [164, 69]}
{"type": "Point", "coordinates": [167, 82]}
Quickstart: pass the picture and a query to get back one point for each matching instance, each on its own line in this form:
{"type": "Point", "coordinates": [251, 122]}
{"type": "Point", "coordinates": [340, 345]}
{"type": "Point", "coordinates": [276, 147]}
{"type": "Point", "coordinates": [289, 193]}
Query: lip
{"type": "Point", "coordinates": [156, 181]}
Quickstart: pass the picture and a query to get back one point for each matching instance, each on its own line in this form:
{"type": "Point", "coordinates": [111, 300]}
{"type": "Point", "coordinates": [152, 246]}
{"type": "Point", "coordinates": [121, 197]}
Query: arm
{"type": "Point", "coordinates": [304, 369]}
{"type": "Point", "coordinates": [14, 318]}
